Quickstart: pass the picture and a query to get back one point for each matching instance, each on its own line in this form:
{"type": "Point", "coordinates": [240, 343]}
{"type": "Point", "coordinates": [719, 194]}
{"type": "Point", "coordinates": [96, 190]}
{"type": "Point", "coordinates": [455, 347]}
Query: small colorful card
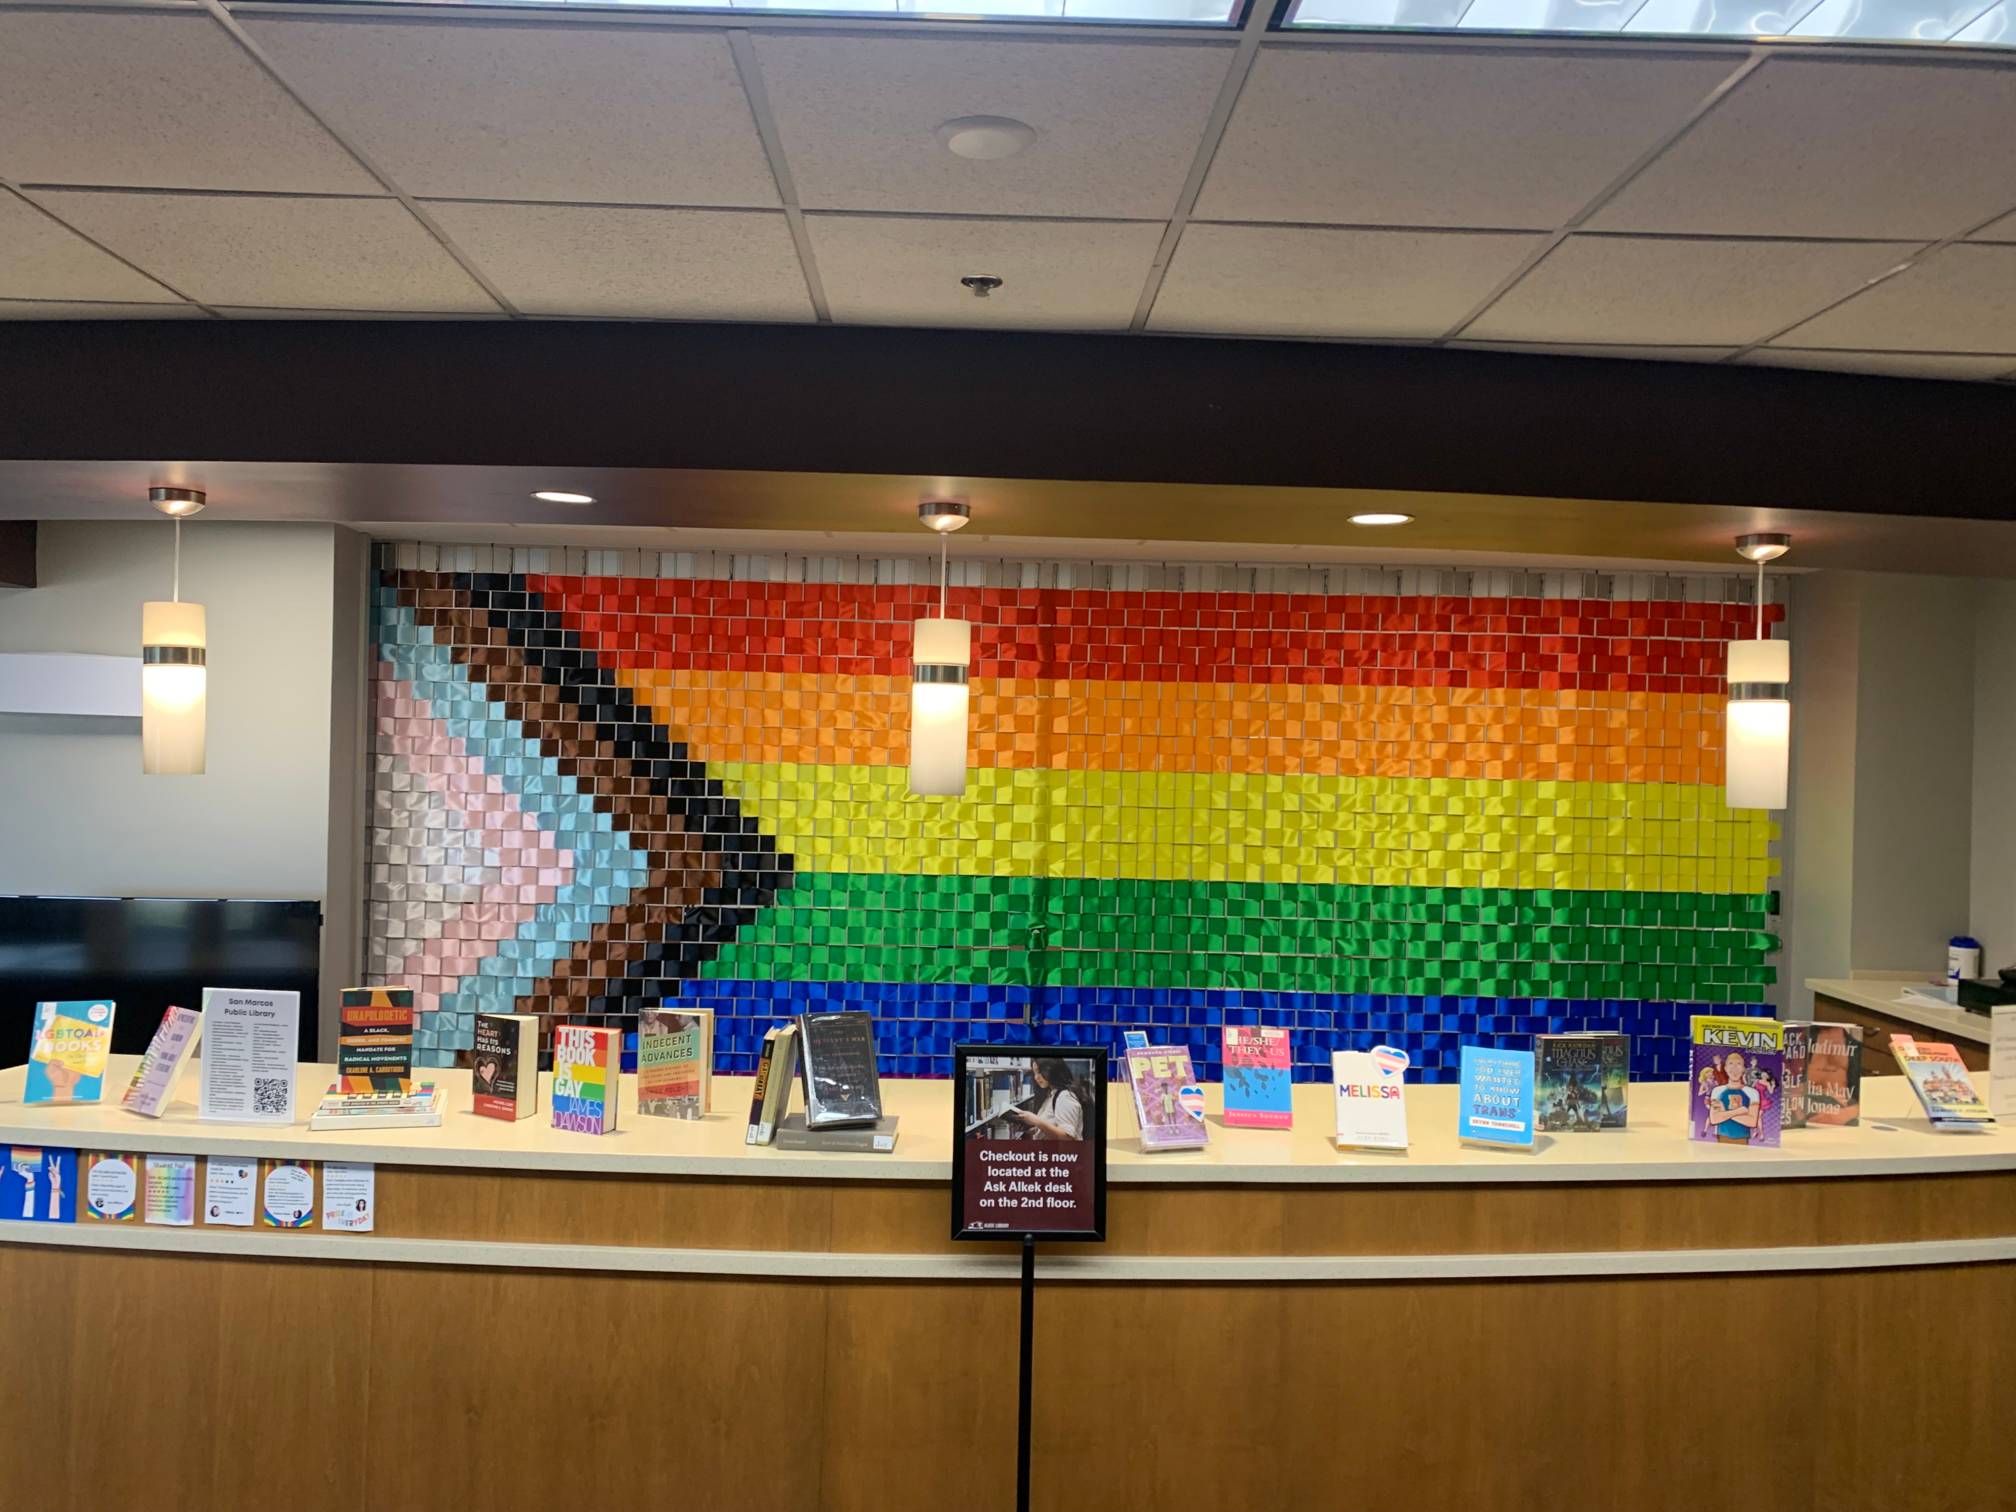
{"type": "Point", "coordinates": [111, 1187]}
{"type": "Point", "coordinates": [286, 1194]}
{"type": "Point", "coordinates": [349, 1197]}
{"type": "Point", "coordinates": [1495, 1098]}
{"type": "Point", "coordinates": [170, 1196]}
{"type": "Point", "coordinates": [39, 1185]}
{"type": "Point", "coordinates": [67, 1052]}
{"type": "Point", "coordinates": [230, 1191]}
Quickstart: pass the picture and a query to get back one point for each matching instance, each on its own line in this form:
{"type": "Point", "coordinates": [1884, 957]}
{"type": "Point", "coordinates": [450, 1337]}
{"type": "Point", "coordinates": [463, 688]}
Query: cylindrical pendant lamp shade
{"type": "Point", "coordinates": [939, 660]}
{"type": "Point", "coordinates": [173, 689]}
{"type": "Point", "coordinates": [1758, 747]}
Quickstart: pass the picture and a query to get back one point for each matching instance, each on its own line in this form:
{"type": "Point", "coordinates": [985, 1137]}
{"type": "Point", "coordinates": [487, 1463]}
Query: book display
{"type": "Point", "coordinates": [1495, 1098]}
{"type": "Point", "coordinates": [155, 1077]}
{"type": "Point", "coordinates": [504, 1067]}
{"type": "Point", "coordinates": [1167, 1099]}
{"type": "Point", "coordinates": [417, 1107]}
{"type": "Point", "coordinates": [1581, 1082]}
{"type": "Point", "coordinates": [836, 1065]}
{"type": "Point", "coordinates": [1737, 1075]}
{"type": "Point", "coordinates": [675, 1062]}
{"type": "Point", "coordinates": [67, 1049]}
{"type": "Point", "coordinates": [1259, 1090]}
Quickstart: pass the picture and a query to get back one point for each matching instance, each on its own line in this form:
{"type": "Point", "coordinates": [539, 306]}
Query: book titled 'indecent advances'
{"type": "Point", "coordinates": [675, 1055]}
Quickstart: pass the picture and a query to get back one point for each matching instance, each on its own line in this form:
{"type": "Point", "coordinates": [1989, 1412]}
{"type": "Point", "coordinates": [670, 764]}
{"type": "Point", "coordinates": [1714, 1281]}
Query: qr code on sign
{"type": "Point", "coordinates": [269, 1094]}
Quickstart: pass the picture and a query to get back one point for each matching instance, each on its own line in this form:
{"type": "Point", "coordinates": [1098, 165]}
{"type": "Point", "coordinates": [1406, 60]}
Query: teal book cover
{"type": "Point", "coordinates": [67, 1053]}
{"type": "Point", "coordinates": [1495, 1097]}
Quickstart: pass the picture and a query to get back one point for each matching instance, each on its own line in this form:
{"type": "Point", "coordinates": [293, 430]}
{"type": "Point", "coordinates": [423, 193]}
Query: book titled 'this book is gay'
{"type": "Point", "coordinates": [587, 1070]}
{"type": "Point", "coordinates": [1258, 1089]}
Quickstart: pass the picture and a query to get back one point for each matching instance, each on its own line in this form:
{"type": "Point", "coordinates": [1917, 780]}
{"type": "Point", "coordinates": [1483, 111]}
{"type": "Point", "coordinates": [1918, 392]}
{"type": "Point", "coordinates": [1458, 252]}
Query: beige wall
{"type": "Point", "coordinates": [81, 817]}
{"type": "Point", "coordinates": [1992, 917]}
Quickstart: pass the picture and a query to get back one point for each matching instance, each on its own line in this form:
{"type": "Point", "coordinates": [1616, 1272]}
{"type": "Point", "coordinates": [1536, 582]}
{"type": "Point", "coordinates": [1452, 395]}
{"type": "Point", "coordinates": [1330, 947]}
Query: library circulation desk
{"type": "Point", "coordinates": [668, 1318]}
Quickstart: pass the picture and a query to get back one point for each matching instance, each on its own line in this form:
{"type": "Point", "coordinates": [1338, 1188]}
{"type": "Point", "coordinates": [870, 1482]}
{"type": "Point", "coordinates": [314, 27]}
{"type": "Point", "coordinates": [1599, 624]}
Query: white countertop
{"type": "Point", "coordinates": [1893, 1139]}
{"type": "Point", "coordinates": [1881, 995]}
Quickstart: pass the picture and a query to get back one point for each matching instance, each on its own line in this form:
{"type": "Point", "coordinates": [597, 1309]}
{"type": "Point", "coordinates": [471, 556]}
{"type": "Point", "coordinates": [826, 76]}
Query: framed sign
{"type": "Point", "coordinates": [1029, 1142]}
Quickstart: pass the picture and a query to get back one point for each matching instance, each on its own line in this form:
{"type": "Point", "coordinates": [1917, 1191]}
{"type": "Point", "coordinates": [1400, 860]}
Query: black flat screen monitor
{"type": "Point", "coordinates": [147, 953]}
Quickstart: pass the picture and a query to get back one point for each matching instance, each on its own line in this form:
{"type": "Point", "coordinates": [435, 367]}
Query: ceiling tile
{"type": "Point", "coordinates": [2003, 230]}
{"type": "Point", "coordinates": [1292, 281]}
{"type": "Point", "coordinates": [1060, 275]}
{"type": "Point", "coordinates": [253, 250]}
{"type": "Point", "coordinates": [677, 264]}
{"type": "Point", "coordinates": [1658, 291]}
{"type": "Point", "coordinates": [1382, 136]}
{"type": "Point", "coordinates": [1890, 364]}
{"type": "Point", "coordinates": [1118, 122]}
{"type": "Point", "coordinates": [1960, 299]}
{"type": "Point", "coordinates": [39, 259]}
{"type": "Point", "coordinates": [1812, 148]}
{"type": "Point", "coordinates": [620, 114]}
{"type": "Point", "coordinates": [153, 99]}
{"type": "Point", "coordinates": [52, 309]}
{"type": "Point", "coordinates": [1615, 353]}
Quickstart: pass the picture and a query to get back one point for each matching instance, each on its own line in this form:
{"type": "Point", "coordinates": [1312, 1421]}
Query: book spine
{"type": "Point", "coordinates": [759, 1133]}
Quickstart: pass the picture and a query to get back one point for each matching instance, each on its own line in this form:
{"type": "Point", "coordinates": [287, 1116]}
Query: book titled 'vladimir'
{"type": "Point", "coordinates": [1736, 1082]}
{"type": "Point", "coordinates": [1581, 1081]}
{"type": "Point", "coordinates": [1834, 1075]}
{"type": "Point", "coordinates": [1167, 1099]}
{"type": "Point", "coordinates": [1258, 1090]}
{"type": "Point", "coordinates": [504, 1066]}
{"type": "Point", "coordinates": [587, 1070]}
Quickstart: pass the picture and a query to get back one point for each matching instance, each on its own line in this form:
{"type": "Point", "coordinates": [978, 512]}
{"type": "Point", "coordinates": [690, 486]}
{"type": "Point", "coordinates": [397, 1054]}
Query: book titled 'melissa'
{"type": "Point", "coordinates": [1371, 1098]}
{"type": "Point", "coordinates": [504, 1066]}
{"type": "Point", "coordinates": [587, 1070]}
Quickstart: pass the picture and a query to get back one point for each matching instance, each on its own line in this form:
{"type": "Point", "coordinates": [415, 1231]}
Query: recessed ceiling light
{"type": "Point", "coordinates": [985, 138]}
{"type": "Point", "coordinates": [556, 496]}
{"type": "Point", "coordinates": [1378, 518]}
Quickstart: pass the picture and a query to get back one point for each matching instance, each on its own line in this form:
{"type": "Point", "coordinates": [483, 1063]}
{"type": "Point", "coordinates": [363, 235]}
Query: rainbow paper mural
{"type": "Point", "coordinates": [1415, 818]}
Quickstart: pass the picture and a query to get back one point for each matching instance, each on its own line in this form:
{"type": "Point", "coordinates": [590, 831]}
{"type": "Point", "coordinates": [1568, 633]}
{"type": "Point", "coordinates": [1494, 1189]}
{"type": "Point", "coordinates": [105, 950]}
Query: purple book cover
{"type": "Point", "coordinates": [1736, 1091]}
{"type": "Point", "coordinates": [1167, 1098]}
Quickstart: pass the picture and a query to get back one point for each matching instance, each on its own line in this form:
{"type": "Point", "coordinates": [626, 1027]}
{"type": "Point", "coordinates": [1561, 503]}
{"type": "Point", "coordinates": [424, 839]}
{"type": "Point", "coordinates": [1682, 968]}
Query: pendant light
{"type": "Point", "coordinates": [939, 658]}
{"type": "Point", "coordinates": [173, 674]}
{"type": "Point", "coordinates": [1759, 739]}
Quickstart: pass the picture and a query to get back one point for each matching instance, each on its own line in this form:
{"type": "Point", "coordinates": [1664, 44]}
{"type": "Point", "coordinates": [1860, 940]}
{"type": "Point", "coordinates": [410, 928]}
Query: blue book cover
{"type": "Point", "coordinates": [38, 1185]}
{"type": "Point", "coordinates": [1258, 1093]}
{"type": "Point", "coordinates": [1495, 1100]}
{"type": "Point", "coordinates": [67, 1052]}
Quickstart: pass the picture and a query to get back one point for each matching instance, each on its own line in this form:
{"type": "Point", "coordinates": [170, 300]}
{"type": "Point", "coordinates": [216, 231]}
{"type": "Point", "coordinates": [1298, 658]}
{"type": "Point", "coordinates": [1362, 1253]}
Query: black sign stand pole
{"type": "Point", "coordinates": [1028, 1372]}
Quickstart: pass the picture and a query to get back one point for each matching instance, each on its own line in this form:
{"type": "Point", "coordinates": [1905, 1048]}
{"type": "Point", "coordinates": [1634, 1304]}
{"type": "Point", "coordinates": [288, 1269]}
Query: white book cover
{"type": "Point", "coordinates": [251, 1051]}
{"type": "Point", "coordinates": [1371, 1097]}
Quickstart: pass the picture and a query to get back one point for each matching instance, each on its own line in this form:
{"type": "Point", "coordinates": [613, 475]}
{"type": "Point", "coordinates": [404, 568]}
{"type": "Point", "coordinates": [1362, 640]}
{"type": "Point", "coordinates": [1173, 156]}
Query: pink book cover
{"type": "Point", "coordinates": [1167, 1099]}
{"type": "Point", "coordinates": [1258, 1090]}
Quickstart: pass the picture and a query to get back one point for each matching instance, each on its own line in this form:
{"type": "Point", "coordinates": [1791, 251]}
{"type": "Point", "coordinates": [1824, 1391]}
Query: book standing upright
{"type": "Point", "coordinates": [1259, 1088]}
{"type": "Point", "coordinates": [504, 1066]}
{"type": "Point", "coordinates": [67, 1051]}
{"type": "Point", "coordinates": [587, 1076]}
{"type": "Point", "coordinates": [1167, 1099]}
{"type": "Point", "coordinates": [675, 1054]}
